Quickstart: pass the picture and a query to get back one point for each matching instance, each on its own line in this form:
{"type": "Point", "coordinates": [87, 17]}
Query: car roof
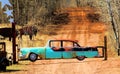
{"type": "Point", "coordinates": [64, 40]}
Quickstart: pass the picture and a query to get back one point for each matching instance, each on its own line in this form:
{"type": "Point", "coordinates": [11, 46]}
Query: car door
{"type": "Point", "coordinates": [53, 50]}
{"type": "Point", "coordinates": [79, 51]}
{"type": "Point", "coordinates": [68, 46]}
{"type": "Point", "coordinates": [50, 53]}
{"type": "Point", "coordinates": [87, 52]}
{"type": "Point", "coordinates": [68, 54]}
{"type": "Point", "coordinates": [90, 52]}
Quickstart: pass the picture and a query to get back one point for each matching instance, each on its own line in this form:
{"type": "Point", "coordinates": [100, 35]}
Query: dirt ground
{"type": "Point", "coordinates": [70, 66]}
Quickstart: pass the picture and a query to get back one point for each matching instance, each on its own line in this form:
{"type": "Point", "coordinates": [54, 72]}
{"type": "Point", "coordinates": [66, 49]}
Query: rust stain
{"type": "Point", "coordinates": [81, 28]}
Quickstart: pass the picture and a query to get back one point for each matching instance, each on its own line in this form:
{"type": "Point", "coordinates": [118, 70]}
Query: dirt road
{"type": "Point", "coordinates": [71, 66]}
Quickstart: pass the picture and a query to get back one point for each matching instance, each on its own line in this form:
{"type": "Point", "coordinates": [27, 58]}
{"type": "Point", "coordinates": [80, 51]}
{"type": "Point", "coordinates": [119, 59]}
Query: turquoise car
{"type": "Point", "coordinates": [57, 49]}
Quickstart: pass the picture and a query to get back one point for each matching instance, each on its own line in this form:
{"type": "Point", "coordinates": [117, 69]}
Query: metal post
{"type": "Point", "coordinates": [105, 45]}
{"type": "Point", "coordinates": [14, 43]}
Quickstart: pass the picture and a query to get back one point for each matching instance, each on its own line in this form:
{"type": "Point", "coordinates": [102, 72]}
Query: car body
{"type": "Point", "coordinates": [4, 61]}
{"type": "Point", "coordinates": [56, 49]}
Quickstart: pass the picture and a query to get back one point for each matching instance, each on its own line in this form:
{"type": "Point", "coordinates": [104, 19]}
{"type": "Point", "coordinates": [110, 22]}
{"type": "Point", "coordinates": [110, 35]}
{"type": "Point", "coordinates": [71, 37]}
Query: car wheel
{"type": "Point", "coordinates": [33, 57]}
{"type": "Point", "coordinates": [81, 58]}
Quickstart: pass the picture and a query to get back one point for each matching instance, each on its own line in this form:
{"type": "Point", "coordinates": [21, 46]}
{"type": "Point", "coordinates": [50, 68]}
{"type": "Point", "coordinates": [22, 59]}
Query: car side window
{"type": "Point", "coordinates": [68, 45]}
{"type": "Point", "coordinates": [55, 45]}
{"type": "Point", "coordinates": [94, 49]}
{"type": "Point", "coordinates": [87, 49]}
{"type": "Point", "coordinates": [75, 45]}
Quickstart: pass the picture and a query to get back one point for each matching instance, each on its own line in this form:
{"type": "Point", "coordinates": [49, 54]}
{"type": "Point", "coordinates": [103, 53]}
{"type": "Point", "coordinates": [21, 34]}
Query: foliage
{"type": "Point", "coordinates": [40, 12]}
{"type": "Point", "coordinates": [3, 16]}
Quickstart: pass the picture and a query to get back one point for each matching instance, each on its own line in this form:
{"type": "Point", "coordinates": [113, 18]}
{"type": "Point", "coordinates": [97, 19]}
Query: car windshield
{"type": "Point", "coordinates": [55, 44]}
{"type": "Point", "coordinates": [67, 44]}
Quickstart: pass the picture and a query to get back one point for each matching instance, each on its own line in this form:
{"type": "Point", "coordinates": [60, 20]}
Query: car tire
{"type": "Point", "coordinates": [33, 57]}
{"type": "Point", "coordinates": [80, 58]}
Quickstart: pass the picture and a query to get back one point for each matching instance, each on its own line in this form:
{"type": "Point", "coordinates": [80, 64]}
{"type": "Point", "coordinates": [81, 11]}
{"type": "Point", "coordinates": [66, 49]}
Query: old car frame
{"type": "Point", "coordinates": [57, 49]}
{"type": "Point", "coordinates": [4, 61]}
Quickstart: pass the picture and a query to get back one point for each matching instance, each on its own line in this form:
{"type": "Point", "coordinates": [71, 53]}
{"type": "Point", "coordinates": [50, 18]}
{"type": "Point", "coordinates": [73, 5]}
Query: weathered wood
{"type": "Point", "coordinates": [14, 43]}
{"type": "Point", "coordinates": [105, 45]}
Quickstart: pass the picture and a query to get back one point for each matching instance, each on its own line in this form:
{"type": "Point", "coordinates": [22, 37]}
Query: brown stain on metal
{"type": "Point", "coordinates": [41, 56]}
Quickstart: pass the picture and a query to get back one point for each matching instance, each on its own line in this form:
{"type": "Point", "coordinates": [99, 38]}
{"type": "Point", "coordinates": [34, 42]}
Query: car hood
{"type": "Point", "coordinates": [36, 50]}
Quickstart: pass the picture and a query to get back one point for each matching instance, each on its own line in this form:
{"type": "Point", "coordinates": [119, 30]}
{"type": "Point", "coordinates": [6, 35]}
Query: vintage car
{"type": "Point", "coordinates": [56, 49]}
{"type": "Point", "coordinates": [4, 61]}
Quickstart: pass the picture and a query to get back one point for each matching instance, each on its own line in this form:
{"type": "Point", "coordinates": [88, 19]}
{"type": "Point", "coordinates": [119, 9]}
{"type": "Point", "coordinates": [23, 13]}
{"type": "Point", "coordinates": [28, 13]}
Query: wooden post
{"type": "Point", "coordinates": [103, 52]}
{"type": "Point", "coordinates": [119, 52]}
{"type": "Point", "coordinates": [14, 43]}
{"type": "Point", "coordinates": [105, 45]}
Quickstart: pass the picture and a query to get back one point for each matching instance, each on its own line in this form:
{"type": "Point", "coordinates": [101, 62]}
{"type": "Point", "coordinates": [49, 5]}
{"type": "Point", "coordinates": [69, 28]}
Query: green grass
{"type": "Point", "coordinates": [15, 67]}
{"type": "Point", "coordinates": [18, 67]}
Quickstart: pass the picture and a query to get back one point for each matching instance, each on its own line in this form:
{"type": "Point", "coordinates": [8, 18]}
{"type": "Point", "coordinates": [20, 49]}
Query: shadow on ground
{"type": "Point", "coordinates": [10, 70]}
